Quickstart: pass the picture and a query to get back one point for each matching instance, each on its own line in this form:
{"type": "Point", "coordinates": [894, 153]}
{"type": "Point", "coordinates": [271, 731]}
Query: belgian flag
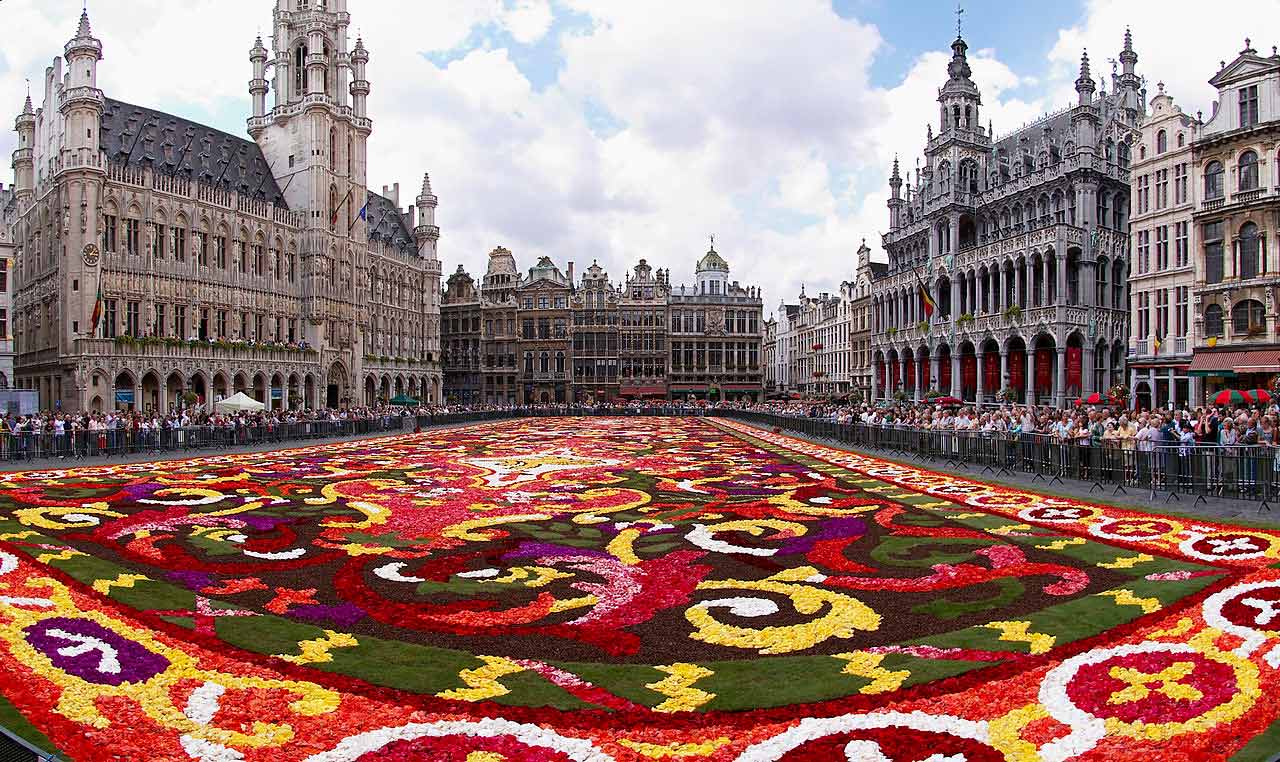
{"type": "Point", "coordinates": [926, 301]}
{"type": "Point", "coordinates": [97, 310]}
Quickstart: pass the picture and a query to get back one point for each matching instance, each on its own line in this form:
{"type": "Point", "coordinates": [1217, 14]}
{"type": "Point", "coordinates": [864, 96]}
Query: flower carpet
{"type": "Point", "coordinates": [620, 589]}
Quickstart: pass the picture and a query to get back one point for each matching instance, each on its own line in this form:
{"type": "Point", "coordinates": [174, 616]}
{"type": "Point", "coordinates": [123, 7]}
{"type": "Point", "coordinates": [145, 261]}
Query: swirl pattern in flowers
{"type": "Point", "coordinates": [619, 588]}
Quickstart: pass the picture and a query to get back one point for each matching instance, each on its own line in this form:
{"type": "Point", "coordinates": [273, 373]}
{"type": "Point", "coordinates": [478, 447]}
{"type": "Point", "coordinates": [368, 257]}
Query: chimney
{"type": "Point", "coordinates": [395, 194]}
{"type": "Point", "coordinates": [409, 215]}
{"type": "Point", "coordinates": [570, 273]}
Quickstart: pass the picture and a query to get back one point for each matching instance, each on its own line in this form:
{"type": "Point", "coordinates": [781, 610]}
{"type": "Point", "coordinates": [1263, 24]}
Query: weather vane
{"type": "Point", "coordinates": [713, 240]}
{"type": "Point", "coordinates": [959, 13]}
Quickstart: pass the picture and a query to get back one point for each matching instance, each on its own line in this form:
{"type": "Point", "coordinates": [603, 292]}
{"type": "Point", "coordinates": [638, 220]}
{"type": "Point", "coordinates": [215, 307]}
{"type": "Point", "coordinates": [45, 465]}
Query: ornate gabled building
{"type": "Point", "coordinates": [716, 336]}
{"type": "Point", "coordinates": [501, 337]}
{"type": "Point", "coordinates": [1162, 276]}
{"type": "Point", "coordinates": [545, 343]}
{"type": "Point", "coordinates": [1237, 224]}
{"type": "Point", "coordinates": [161, 262]}
{"type": "Point", "coordinates": [461, 315]}
{"type": "Point", "coordinates": [643, 332]}
{"type": "Point", "coordinates": [595, 337]}
{"type": "Point", "coordinates": [864, 278]}
{"type": "Point", "coordinates": [1021, 241]}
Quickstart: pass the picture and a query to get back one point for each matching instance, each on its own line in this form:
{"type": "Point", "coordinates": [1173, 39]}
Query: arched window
{"type": "Point", "coordinates": [1247, 168]}
{"type": "Point", "coordinates": [333, 149]}
{"type": "Point", "coordinates": [1213, 180]}
{"type": "Point", "coordinates": [300, 69]}
{"type": "Point", "coordinates": [1162, 142]}
{"type": "Point", "coordinates": [1182, 140]}
{"type": "Point", "coordinates": [1122, 154]}
{"type": "Point", "coordinates": [333, 207]}
{"type": "Point", "coordinates": [1142, 152]}
{"type": "Point", "coordinates": [1213, 320]}
{"type": "Point", "coordinates": [1252, 261]}
{"type": "Point", "coordinates": [1247, 317]}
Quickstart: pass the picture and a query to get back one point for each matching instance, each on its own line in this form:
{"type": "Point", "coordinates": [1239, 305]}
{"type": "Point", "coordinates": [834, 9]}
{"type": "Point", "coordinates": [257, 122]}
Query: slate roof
{"type": "Point", "coordinates": [386, 224]}
{"type": "Point", "coordinates": [176, 146]}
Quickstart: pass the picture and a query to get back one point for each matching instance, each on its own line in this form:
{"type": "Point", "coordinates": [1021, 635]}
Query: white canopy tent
{"type": "Point", "coordinates": [238, 402]}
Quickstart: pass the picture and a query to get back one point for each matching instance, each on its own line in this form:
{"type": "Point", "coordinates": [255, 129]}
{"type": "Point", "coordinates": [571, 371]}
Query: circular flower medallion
{"type": "Point", "coordinates": [457, 739]}
{"type": "Point", "coordinates": [1058, 514]}
{"type": "Point", "coordinates": [1251, 611]}
{"type": "Point", "coordinates": [1147, 690]}
{"type": "Point", "coordinates": [1142, 529]}
{"type": "Point", "coordinates": [883, 737]}
{"type": "Point", "coordinates": [1227, 546]}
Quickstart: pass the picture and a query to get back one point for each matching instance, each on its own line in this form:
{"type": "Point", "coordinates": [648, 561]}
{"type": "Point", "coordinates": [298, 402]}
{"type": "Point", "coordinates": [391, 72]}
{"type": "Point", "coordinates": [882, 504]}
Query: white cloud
{"type": "Point", "coordinates": [754, 120]}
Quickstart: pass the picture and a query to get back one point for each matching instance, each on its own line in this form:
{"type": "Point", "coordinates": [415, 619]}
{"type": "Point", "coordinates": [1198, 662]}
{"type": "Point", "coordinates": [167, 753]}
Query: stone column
{"type": "Point", "coordinates": [1029, 380]}
{"type": "Point", "coordinates": [933, 370]}
{"type": "Point", "coordinates": [918, 380]}
{"type": "Point", "coordinates": [954, 246]}
{"type": "Point", "coordinates": [955, 372]}
{"type": "Point", "coordinates": [1019, 288]}
{"type": "Point", "coordinates": [1087, 381]}
{"type": "Point", "coordinates": [1004, 368]}
{"type": "Point", "coordinates": [1173, 390]}
{"type": "Point", "coordinates": [1133, 387]}
{"type": "Point", "coordinates": [981, 357]}
{"type": "Point", "coordinates": [875, 381]}
{"type": "Point", "coordinates": [1060, 379]}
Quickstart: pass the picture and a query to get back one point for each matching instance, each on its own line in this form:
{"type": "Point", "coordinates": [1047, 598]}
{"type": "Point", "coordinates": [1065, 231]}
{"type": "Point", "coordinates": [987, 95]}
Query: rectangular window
{"type": "Point", "coordinates": [4, 276]}
{"type": "Point", "coordinates": [1213, 252]}
{"type": "Point", "coordinates": [220, 252]}
{"type": "Point", "coordinates": [202, 248]}
{"type": "Point", "coordinates": [1162, 188]}
{"type": "Point", "coordinates": [1180, 311]}
{"type": "Point", "coordinates": [156, 233]}
{"type": "Point", "coordinates": [1144, 251]}
{"type": "Point", "coordinates": [1162, 312]}
{"type": "Point", "coordinates": [131, 319]}
{"type": "Point", "coordinates": [4, 324]}
{"type": "Point", "coordinates": [109, 319]}
{"type": "Point", "coordinates": [1144, 315]}
{"type": "Point", "coordinates": [241, 257]}
{"type": "Point", "coordinates": [1249, 106]}
{"type": "Point", "coordinates": [1181, 244]}
{"type": "Point", "coordinates": [109, 224]}
{"type": "Point", "coordinates": [1144, 196]}
{"type": "Point", "coordinates": [160, 326]}
{"type": "Point", "coordinates": [259, 260]}
{"type": "Point", "coordinates": [1162, 248]}
{"type": "Point", "coordinates": [1180, 184]}
{"type": "Point", "coordinates": [180, 321]}
{"type": "Point", "coordinates": [131, 236]}
{"type": "Point", "coordinates": [221, 324]}
{"type": "Point", "coordinates": [178, 244]}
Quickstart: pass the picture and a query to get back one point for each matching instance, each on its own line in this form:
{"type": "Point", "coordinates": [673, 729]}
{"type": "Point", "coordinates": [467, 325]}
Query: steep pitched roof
{"type": "Point", "coordinates": [136, 136]}
{"type": "Point", "coordinates": [387, 224]}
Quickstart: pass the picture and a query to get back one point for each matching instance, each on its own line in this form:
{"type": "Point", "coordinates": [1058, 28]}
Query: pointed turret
{"type": "Point", "coordinates": [1085, 83]}
{"type": "Point", "coordinates": [895, 197]}
{"type": "Point", "coordinates": [258, 85]}
{"type": "Point", "coordinates": [427, 233]}
{"type": "Point", "coordinates": [1128, 84]}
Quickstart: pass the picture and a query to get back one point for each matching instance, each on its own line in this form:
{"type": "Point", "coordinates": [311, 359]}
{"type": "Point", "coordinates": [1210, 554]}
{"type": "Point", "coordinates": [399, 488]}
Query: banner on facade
{"type": "Point", "coordinates": [1018, 370]}
{"type": "Point", "coordinates": [944, 374]}
{"type": "Point", "coordinates": [1044, 370]}
{"type": "Point", "coordinates": [124, 396]}
{"type": "Point", "coordinates": [991, 373]}
{"type": "Point", "coordinates": [969, 372]}
{"type": "Point", "coordinates": [911, 372]}
{"type": "Point", "coordinates": [1075, 369]}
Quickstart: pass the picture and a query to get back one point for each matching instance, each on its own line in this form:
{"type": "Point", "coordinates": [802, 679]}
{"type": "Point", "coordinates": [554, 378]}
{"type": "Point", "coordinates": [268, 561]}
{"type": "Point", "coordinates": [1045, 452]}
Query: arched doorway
{"type": "Point", "coordinates": [125, 391]}
{"type": "Point", "coordinates": [336, 390]}
{"type": "Point", "coordinates": [150, 391]}
{"type": "Point", "coordinates": [175, 387]}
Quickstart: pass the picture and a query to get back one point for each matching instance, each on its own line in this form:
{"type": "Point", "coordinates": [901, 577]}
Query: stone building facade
{"type": "Point", "coordinates": [545, 346]}
{"type": "Point", "coordinates": [1162, 276]}
{"type": "Point", "coordinates": [8, 210]}
{"type": "Point", "coordinates": [716, 336]}
{"type": "Point", "coordinates": [1021, 241]}
{"type": "Point", "coordinates": [643, 325]}
{"type": "Point", "coordinates": [864, 278]}
{"type": "Point", "coordinates": [595, 329]}
{"type": "Point", "coordinates": [161, 262]}
{"type": "Point", "coordinates": [501, 338]}
{"type": "Point", "coordinates": [1237, 224]}
{"type": "Point", "coordinates": [547, 339]}
{"type": "Point", "coordinates": [461, 315]}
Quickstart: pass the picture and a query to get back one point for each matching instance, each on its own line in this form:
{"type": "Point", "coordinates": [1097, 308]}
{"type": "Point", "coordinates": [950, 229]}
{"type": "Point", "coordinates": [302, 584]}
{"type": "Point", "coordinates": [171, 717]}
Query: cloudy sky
{"type": "Point", "coordinates": [620, 129]}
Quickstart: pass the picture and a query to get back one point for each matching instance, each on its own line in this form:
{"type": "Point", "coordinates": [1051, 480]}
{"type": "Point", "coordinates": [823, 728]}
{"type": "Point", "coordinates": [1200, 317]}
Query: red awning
{"type": "Point", "coordinates": [1243, 361]}
{"type": "Point", "coordinates": [643, 391]}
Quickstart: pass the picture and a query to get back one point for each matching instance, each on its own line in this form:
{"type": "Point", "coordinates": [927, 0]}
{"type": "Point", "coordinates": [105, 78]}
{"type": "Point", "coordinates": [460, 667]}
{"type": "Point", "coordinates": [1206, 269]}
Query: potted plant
{"type": "Point", "coordinates": [1013, 312]}
{"type": "Point", "coordinates": [1007, 394]}
{"type": "Point", "coordinates": [891, 331]}
{"type": "Point", "coordinates": [923, 326]}
{"type": "Point", "coordinates": [1118, 394]}
{"type": "Point", "coordinates": [965, 319]}
{"type": "Point", "coordinates": [932, 395]}
{"type": "Point", "coordinates": [900, 396]}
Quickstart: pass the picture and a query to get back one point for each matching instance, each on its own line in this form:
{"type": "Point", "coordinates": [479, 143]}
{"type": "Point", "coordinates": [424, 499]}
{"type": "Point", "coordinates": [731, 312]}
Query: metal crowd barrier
{"type": "Point", "coordinates": [1235, 472]}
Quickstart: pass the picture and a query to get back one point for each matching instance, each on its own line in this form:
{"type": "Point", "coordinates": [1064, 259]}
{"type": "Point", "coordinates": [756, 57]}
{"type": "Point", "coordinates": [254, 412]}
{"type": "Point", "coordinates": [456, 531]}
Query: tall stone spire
{"type": "Point", "coordinates": [1085, 83]}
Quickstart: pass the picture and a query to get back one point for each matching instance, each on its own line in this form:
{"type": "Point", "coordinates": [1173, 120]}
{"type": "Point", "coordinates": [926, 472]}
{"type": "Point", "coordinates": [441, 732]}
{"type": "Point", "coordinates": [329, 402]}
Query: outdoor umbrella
{"type": "Point", "coordinates": [1261, 395]}
{"type": "Point", "coordinates": [1232, 397]}
{"type": "Point", "coordinates": [403, 399]}
{"type": "Point", "coordinates": [238, 402]}
{"type": "Point", "coordinates": [948, 401]}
